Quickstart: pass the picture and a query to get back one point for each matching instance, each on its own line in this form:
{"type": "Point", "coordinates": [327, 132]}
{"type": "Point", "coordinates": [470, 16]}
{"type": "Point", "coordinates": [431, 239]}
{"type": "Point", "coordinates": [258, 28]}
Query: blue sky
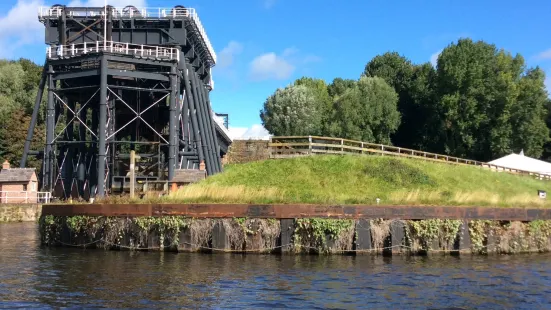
{"type": "Point", "coordinates": [266, 44]}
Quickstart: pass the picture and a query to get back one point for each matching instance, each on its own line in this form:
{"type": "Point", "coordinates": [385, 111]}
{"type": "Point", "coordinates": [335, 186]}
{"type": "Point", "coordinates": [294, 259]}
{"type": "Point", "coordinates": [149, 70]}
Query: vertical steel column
{"type": "Point", "coordinates": [34, 116]}
{"type": "Point", "coordinates": [192, 112]}
{"type": "Point", "coordinates": [68, 148]}
{"type": "Point", "coordinates": [50, 120]}
{"type": "Point", "coordinates": [200, 120]}
{"type": "Point", "coordinates": [212, 132]}
{"type": "Point", "coordinates": [102, 127]}
{"type": "Point", "coordinates": [172, 124]}
{"type": "Point", "coordinates": [208, 125]}
{"type": "Point", "coordinates": [81, 170]}
{"type": "Point", "coordinates": [93, 153]}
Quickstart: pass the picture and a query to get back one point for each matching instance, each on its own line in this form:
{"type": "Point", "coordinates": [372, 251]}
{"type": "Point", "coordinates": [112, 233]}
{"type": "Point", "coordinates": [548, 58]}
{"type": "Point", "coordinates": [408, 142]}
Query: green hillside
{"type": "Point", "coordinates": [363, 179]}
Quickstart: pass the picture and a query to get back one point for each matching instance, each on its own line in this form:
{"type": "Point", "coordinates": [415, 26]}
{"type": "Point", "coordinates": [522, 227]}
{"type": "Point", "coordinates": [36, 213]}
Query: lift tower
{"type": "Point", "coordinates": [122, 79]}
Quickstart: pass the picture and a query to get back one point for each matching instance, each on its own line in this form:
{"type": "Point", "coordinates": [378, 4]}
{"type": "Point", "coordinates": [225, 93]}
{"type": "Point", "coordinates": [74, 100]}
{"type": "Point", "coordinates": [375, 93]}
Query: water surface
{"type": "Point", "coordinates": [35, 277]}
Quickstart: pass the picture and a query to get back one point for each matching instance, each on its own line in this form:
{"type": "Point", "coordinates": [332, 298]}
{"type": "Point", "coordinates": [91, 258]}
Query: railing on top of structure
{"type": "Point", "coordinates": [24, 197]}
{"type": "Point", "coordinates": [294, 146]}
{"type": "Point", "coordinates": [132, 12]}
{"type": "Point", "coordinates": [144, 51]}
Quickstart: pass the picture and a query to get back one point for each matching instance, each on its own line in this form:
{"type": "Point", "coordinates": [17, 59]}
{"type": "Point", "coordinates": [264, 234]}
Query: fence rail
{"type": "Point", "coordinates": [144, 51]}
{"type": "Point", "coordinates": [133, 12]}
{"type": "Point", "coordinates": [295, 146]}
{"type": "Point", "coordinates": [24, 197]}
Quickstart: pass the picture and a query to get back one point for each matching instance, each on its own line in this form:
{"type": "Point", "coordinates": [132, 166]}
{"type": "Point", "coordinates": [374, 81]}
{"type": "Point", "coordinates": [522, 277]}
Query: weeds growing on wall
{"type": "Point", "coordinates": [250, 233]}
{"type": "Point", "coordinates": [380, 230]}
{"type": "Point", "coordinates": [433, 234]}
{"type": "Point", "coordinates": [323, 235]}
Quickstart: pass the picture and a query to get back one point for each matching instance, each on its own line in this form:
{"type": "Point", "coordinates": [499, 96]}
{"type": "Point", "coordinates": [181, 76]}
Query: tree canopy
{"type": "Point", "coordinates": [480, 102]}
{"type": "Point", "coordinates": [18, 88]}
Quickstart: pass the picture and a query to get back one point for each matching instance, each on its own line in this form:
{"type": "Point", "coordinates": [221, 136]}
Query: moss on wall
{"type": "Point", "coordinates": [20, 212]}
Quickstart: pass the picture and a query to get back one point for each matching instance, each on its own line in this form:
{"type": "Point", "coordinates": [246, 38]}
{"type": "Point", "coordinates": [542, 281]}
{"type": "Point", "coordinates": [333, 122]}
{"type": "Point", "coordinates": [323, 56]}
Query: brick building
{"type": "Point", "coordinates": [18, 185]}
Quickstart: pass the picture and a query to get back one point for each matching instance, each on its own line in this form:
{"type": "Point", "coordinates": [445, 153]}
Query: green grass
{"type": "Point", "coordinates": [361, 180]}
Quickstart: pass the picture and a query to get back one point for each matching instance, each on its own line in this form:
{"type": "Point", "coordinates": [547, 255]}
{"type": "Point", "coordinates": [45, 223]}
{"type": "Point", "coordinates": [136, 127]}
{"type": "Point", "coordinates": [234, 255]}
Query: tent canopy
{"type": "Point", "coordinates": [521, 162]}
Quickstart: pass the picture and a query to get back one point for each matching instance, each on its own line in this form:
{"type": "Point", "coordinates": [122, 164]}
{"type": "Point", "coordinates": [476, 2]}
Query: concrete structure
{"type": "Point", "coordinates": [18, 185]}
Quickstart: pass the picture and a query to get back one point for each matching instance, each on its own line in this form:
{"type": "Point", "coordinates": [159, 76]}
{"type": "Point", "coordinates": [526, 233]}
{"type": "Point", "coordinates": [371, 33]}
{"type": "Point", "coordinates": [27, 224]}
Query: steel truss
{"type": "Point", "coordinates": [92, 123]}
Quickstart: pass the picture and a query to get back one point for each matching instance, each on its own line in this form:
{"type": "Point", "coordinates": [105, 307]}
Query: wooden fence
{"type": "Point", "coordinates": [295, 146]}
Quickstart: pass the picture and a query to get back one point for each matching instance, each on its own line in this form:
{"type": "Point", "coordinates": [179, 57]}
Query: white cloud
{"type": "Point", "coordinates": [227, 54]}
{"type": "Point", "coordinates": [270, 66]}
{"type": "Point", "coordinates": [279, 67]}
{"type": "Point", "coordinates": [115, 3]}
{"type": "Point", "coordinates": [434, 58]}
{"type": "Point", "coordinates": [256, 131]}
{"type": "Point", "coordinates": [544, 55]}
{"type": "Point", "coordinates": [21, 26]}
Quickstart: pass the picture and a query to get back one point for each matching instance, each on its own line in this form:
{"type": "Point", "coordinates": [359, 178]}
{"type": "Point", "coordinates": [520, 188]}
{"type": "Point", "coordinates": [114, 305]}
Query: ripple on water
{"type": "Point", "coordinates": [34, 277]}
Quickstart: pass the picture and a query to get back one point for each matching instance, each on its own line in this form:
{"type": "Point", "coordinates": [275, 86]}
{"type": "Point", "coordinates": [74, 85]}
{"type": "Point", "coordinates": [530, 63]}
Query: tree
{"type": "Point", "coordinates": [528, 118]}
{"type": "Point", "coordinates": [292, 111]}
{"type": "Point", "coordinates": [13, 135]}
{"type": "Point", "coordinates": [413, 84]}
{"type": "Point", "coordinates": [339, 86]}
{"type": "Point", "coordinates": [322, 98]}
{"type": "Point", "coordinates": [366, 112]}
{"type": "Point", "coordinates": [477, 89]}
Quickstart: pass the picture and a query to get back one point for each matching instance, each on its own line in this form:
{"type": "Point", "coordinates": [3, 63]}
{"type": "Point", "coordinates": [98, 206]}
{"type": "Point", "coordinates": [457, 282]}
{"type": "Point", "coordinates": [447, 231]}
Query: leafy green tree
{"type": "Point", "coordinates": [528, 118]}
{"type": "Point", "coordinates": [477, 91]}
{"type": "Point", "coordinates": [321, 95]}
{"type": "Point", "coordinates": [366, 112]}
{"type": "Point", "coordinates": [339, 86]}
{"type": "Point", "coordinates": [13, 134]}
{"type": "Point", "coordinates": [292, 110]}
{"type": "Point", "coordinates": [414, 86]}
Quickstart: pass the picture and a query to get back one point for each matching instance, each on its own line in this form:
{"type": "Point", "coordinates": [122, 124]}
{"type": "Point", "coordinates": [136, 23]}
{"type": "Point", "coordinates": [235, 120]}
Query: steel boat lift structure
{"type": "Point", "coordinates": [122, 79]}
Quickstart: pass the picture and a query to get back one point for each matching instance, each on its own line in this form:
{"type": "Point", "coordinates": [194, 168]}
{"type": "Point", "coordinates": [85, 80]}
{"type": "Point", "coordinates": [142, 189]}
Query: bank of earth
{"type": "Point", "coordinates": [351, 179]}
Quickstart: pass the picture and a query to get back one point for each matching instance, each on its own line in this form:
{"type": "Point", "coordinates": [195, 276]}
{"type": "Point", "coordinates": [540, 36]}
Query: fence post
{"type": "Point", "coordinates": [342, 143]}
{"type": "Point", "coordinates": [270, 151]}
{"type": "Point", "coordinates": [310, 145]}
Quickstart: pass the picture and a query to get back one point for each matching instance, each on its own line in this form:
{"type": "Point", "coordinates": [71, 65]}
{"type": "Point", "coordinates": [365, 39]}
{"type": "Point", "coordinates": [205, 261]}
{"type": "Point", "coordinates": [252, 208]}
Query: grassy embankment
{"type": "Point", "coordinates": [362, 179]}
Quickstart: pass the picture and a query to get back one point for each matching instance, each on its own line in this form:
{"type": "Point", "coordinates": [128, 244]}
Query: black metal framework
{"type": "Point", "coordinates": [105, 99]}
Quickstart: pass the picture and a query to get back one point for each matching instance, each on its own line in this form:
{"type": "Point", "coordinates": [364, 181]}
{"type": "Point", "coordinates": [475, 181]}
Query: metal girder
{"type": "Point", "coordinates": [140, 89]}
{"type": "Point", "coordinates": [75, 115]}
{"type": "Point", "coordinates": [140, 74]}
{"type": "Point", "coordinates": [75, 75]}
{"type": "Point", "coordinates": [89, 28]}
{"type": "Point", "coordinates": [156, 62]}
{"type": "Point", "coordinates": [138, 115]}
{"type": "Point", "coordinates": [68, 89]}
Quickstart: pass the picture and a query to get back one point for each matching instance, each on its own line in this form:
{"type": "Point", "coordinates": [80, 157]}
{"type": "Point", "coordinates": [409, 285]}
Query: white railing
{"type": "Point", "coordinates": [24, 197]}
{"type": "Point", "coordinates": [48, 12]}
{"type": "Point", "coordinates": [148, 51]}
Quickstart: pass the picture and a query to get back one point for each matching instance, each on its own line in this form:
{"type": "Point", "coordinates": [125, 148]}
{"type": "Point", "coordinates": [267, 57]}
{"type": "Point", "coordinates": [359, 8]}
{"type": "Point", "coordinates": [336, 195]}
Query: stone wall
{"type": "Point", "coordinates": [242, 151]}
{"type": "Point", "coordinates": [20, 213]}
{"type": "Point", "coordinates": [299, 236]}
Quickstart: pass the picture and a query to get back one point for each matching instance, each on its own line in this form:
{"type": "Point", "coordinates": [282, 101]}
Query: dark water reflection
{"type": "Point", "coordinates": [33, 277]}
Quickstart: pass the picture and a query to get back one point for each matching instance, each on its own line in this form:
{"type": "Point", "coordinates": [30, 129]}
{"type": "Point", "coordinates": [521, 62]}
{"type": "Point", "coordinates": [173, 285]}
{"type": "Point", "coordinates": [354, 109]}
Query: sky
{"type": "Point", "coordinates": [263, 45]}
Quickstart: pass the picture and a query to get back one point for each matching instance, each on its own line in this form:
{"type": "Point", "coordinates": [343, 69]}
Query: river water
{"type": "Point", "coordinates": [35, 277]}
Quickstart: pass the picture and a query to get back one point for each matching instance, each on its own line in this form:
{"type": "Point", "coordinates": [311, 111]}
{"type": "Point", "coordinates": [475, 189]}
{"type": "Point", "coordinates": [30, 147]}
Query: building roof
{"type": "Point", "coordinates": [521, 162]}
{"type": "Point", "coordinates": [16, 175]}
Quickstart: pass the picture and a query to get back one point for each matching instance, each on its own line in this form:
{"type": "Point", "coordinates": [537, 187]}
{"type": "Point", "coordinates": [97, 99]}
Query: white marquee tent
{"type": "Point", "coordinates": [521, 162]}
